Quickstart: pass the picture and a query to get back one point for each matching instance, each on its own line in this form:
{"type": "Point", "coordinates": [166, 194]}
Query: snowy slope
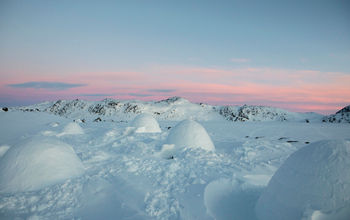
{"type": "Point", "coordinates": [174, 108]}
{"type": "Point", "coordinates": [341, 116]}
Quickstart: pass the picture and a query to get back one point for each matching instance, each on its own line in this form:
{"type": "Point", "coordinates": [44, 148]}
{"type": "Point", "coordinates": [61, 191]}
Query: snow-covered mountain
{"type": "Point", "coordinates": [175, 108]}
{"type": "Point", "coordinates": [264, 113]}
{"type": "Point", "coordinates": [341, 116]}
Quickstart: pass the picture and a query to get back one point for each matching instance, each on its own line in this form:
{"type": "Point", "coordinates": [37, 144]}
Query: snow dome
{"type": "Point", "coordinates": [37, 163]}
{"type": "Point", "coordinates": [189, 133]}
{"type": "Point", "coordinates": [313, 183]}
{"type": "Point", "coordinates": [145, 123]}
{"type": "Point", "coordinates": [72, 129]}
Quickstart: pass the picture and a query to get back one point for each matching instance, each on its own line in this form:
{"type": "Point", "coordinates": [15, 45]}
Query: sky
{"type": "Point", "coordinates": [288, 54]}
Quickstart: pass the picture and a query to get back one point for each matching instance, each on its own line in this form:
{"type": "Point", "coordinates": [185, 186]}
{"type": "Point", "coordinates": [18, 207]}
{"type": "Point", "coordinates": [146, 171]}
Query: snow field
{"type": "Point", "coordinates": [128, 175]}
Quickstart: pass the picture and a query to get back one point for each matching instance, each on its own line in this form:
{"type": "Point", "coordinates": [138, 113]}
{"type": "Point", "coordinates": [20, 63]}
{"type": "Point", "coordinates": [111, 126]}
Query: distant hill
{"type": "Point", "coordinates": [341, 116]}
{"type": "Point", "coordinates": [175, 108]}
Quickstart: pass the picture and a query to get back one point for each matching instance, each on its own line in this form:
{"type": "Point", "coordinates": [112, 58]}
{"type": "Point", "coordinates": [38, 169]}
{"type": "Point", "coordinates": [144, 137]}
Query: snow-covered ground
{"type": "Point", "coordinates": [110, 170]}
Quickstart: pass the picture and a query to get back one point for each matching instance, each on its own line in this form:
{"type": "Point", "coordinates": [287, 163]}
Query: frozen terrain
{"type": "Point", "coordinates": [57, 161]}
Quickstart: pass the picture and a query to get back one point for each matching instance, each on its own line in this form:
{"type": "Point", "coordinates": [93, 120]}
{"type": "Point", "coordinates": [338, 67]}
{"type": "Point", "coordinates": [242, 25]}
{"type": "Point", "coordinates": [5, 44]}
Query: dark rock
{"type": "Point", "coordinates": [97, 109]}
{"type": "Point", "coordinates": [5, 109]}
{"type": "Point", "coordinates": [170, 158]}
{"type": "Point", "coordinates": [132, 108]}
{"type": "Point", "coordinates": [98, 119]}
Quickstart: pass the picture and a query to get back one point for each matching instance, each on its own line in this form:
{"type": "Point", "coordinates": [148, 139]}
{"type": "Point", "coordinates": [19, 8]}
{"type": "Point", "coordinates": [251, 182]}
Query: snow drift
{"type": "Point", "coordinates": [189, 133]}
{"type": "Point", "coordinates": [145, 123]}
{"type": "Point", "coordinates": [37, 163]}
{"type": "Point", "coordinates": [313, 183]}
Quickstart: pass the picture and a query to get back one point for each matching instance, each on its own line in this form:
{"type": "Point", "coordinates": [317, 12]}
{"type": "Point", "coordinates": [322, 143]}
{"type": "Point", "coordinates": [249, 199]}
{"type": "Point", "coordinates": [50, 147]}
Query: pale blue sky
{"type": "Point", "coordinates": [48, 39]}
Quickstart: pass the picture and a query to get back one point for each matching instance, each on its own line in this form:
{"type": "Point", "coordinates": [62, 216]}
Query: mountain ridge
{"type": "Point", "coordinates": [341, 116]}
{"type": "Point", "coordinates": [174, 108]}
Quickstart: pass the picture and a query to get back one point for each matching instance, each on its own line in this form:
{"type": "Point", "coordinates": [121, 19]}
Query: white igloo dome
{"type": "Point", "coordinates": [313, 183]}
{"type": "Point", "coordinates": [145, 123]}
{"type": "Point", "coordinates": [72, 128]}
{"type": "Point", "coordinates": [189, 133]}
{"type": "Point", "coordinates": [37, 163]}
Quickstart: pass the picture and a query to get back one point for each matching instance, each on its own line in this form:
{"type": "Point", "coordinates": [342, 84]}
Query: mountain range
{"type": "Point", "coordinates": [174, 108]}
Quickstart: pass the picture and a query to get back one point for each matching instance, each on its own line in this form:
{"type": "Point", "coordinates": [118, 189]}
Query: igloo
{"type": "Point", "coordinates": [313, 183]}
{"type": "Point", "coordinates": [71, 128]}
{"type": "Point", "coordinates": [37, 163]}
{"type": "Point", "coordinates": [145, 123]}
{"type": "Point", "coordinates": [191, 134]}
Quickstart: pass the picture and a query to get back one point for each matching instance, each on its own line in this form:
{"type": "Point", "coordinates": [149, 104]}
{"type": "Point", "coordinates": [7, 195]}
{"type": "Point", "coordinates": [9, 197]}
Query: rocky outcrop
{"type": "Point", "coordinates": [341, 116]}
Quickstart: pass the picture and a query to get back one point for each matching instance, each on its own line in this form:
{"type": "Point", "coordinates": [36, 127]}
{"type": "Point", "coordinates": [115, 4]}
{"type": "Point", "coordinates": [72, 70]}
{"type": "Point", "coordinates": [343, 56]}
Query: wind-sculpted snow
{"type": "Point", "coordinates": [174, 108]}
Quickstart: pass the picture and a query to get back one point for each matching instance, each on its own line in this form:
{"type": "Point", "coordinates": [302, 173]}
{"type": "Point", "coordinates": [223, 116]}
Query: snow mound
{"type": "Point", "coordinates": [145, 123]}
{"type": "Point", "coordinates": [37, 163]}
{"type": "Point", "coordinates": [72, 129]}
{"type": "Point", "coordinates": [189, 133]}
{"type": "Point", "coordinates": [315, 177]}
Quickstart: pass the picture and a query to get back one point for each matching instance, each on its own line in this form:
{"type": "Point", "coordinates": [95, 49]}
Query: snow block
{"type": "Point", "coordinates": [313, 180]}
{"type": "Point", "coordinates": [145, 123]}
{"type": "Point", "coordinates": [189, 133]}
{"type": "Point", "coordinates": [37, 163]}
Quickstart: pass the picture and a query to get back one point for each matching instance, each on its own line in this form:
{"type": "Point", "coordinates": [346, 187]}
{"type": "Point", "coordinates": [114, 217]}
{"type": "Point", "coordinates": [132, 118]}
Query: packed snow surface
{"type": "Point", "coordinates": [190, 134]}
{"type": "Point", "coordinates": [313, 183]}
{"type": "Point", "coordinates": [145, 123]}
{"type": "Point", "coordinates": [129, 175]}
{"type": "Point", "coordinates": [231, 199]}
{"type": "Point", "coordinates": [37, 163]}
